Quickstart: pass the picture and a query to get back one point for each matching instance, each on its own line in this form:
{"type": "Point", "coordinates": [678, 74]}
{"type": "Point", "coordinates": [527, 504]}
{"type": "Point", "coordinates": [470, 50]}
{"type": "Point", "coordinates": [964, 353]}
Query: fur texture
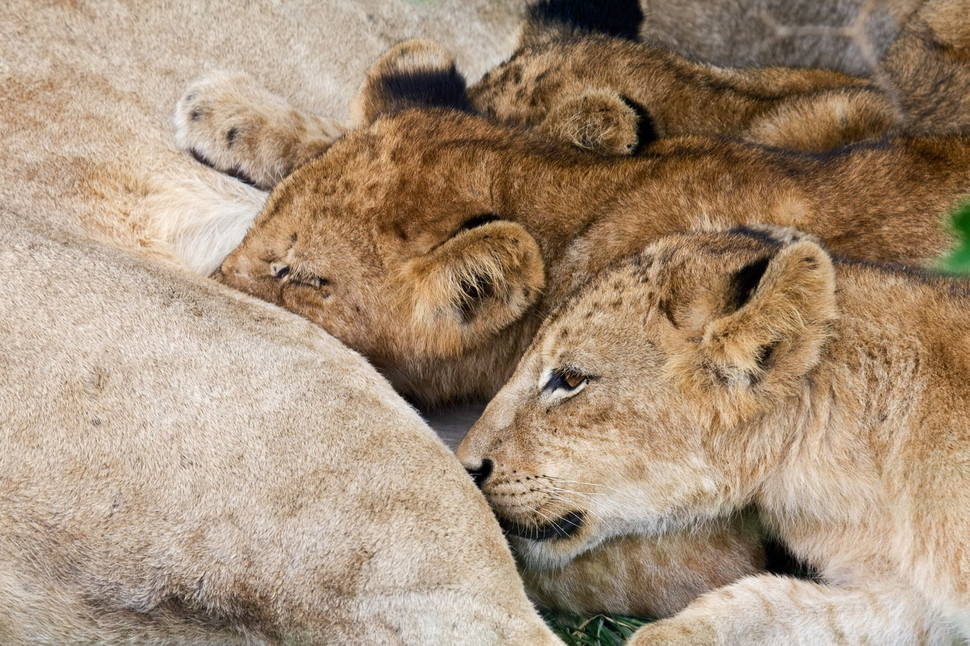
{"type": "Point", "coordinates": [88, 88]}
{"type": "Point", "coordinates": [433, 219]}
{"type": "Point", "coordinates": [182, 464]}
{"type": "Point", "coordinates": [435, 241]}
{"type": "Point", "coordinates": [714, 371]}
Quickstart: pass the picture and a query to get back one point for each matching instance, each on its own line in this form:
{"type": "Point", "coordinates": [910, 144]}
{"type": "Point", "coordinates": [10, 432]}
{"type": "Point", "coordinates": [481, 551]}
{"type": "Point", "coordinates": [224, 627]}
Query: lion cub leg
{"type": "Point", "coordinates": [230, 122]}
{"type": "Point", "coordinates": [828, 120]}
{"type": "Point", "coordinates": [780, 610]}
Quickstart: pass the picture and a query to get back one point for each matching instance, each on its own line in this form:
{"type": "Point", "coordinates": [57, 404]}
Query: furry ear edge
{"type": "Point", "coordinates": [412, 74]}
{"type": "Point", "coordinates": [548, 20]}
{"type": "Point", "coordinates": [781, 323]}
{"type": "Point", "coordinates": [473, 285]}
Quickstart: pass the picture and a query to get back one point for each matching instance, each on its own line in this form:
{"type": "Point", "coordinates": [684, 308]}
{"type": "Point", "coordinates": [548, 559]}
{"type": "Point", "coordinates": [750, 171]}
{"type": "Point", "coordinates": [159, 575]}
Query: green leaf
{"type": "Point", "coordinates": [958, 260]}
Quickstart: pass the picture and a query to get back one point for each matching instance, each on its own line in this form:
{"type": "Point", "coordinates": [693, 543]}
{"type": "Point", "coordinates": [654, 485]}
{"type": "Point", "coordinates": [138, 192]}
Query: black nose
{"type": "Point", "coordinates": [481, 473]}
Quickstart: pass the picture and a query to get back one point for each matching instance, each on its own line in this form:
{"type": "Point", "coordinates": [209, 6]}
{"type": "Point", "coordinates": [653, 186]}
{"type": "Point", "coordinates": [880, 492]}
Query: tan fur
{"type": "Point", "coordinates": [88, 89]}
{"type": "Point", "coordinates": [370, 241]}
{"type": "Point", "coordinates": [543, 83]}
{"type": "Point", "coordinates": [611, 95]}
{"type": "Point", "coordinates": [180, 463]}
{"type": "Point", "coordinates": [150, 498]}
{"type": "Point", "coordinates": [717, 370]}
{"type": "Point", "coordinates": [341, 238]}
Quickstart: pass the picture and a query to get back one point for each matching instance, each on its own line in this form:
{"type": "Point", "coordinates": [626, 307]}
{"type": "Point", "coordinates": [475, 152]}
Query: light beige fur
{"type": "Point", "coordinates": [182, 464]}
{"type": "Point", "coordinates": [88, 88]}
{"type": "Point", "coordinates": [713, 371]}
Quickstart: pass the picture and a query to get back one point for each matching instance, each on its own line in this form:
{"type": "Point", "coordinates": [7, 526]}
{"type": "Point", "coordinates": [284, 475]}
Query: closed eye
{"type": "Point", "coordinates": [566, 379]}
{"type": "Point", "coordinates": [297, 275]}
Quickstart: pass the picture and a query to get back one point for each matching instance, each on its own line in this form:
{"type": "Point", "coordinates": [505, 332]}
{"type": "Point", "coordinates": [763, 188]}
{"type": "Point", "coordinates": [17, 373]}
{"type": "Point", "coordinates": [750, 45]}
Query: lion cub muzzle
{"type": "Point", "coordinates": [562, 527]}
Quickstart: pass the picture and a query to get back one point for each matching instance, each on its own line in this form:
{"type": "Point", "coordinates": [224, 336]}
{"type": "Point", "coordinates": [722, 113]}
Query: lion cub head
{"type": "Point", "coordinates": [615, 420]}
{"type": "Point", "coordinates": [392, 246]}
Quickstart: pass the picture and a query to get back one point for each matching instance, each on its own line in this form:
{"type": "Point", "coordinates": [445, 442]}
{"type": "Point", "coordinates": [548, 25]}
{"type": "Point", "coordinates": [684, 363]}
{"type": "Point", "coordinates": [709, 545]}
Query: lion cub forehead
{"type": "Point", "coordinates": [651, 281]}
{"type": "Point", "coordinates": [601, 309]}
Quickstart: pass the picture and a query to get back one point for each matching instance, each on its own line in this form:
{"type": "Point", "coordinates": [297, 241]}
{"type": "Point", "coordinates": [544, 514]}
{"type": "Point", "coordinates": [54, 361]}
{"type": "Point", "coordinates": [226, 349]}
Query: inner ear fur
{"type": "Point", "coordinates": [599, 120]}
{"type": "Point", "coordinates": [473, 285]}
{"type": "Point", "coordinates": [412, 74]}
{"type": "Point", "coordinates": [781, 320]}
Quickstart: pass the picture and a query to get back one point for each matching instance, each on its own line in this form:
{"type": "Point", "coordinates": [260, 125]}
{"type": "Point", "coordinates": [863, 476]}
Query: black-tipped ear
{"type": "Point", "coordinates": [566, 18]}
{"type": "Point", "coordinates": [476, 283]}
{"type": "Point", "coordinates": [744, 282]}
{"type": "Point", "coordinates": [412, 74]}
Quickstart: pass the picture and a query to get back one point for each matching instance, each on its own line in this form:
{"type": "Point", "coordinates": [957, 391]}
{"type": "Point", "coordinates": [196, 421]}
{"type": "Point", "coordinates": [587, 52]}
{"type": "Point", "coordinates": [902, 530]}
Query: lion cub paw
{"type": "Point", "coordinates": [597, 120]}
{"type": "Point", "coordinates": [230, 122]}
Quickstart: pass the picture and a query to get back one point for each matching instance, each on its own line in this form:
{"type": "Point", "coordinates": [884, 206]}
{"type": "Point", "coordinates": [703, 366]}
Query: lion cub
{"type": "Point", "coordinates": [718, 370]}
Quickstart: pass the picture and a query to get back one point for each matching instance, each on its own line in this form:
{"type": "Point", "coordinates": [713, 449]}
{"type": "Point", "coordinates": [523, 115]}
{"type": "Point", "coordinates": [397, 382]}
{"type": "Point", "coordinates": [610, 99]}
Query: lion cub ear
{"type": "Point", "coordinates": [412, 74]}
{"type": "Point", "coordinates": [549, 20]}
{"type": "Point", "coordinates": [467, 289]}
{"type": "Point", "coordinates": [778, 311]}
{"type": "Point", "coordinates": [601, 121]}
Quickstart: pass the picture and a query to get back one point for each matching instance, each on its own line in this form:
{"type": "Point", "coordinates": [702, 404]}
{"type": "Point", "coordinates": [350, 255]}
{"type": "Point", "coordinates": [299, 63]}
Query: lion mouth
{"type": "Point", "coordinates": [562, 528]}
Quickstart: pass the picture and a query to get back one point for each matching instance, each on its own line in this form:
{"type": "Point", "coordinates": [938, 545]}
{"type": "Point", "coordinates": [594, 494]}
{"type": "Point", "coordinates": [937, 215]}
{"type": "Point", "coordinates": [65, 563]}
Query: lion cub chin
{"type": "Point", "coordinates": [718, 370]}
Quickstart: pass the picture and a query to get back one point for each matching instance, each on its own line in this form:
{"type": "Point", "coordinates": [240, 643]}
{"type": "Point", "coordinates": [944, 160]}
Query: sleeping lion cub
{"type": "Point", "coordinates": [718, 370]}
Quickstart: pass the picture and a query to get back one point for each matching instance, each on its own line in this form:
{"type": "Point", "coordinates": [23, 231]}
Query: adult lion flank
{"type": "Point", "coordinates": [715, 371]}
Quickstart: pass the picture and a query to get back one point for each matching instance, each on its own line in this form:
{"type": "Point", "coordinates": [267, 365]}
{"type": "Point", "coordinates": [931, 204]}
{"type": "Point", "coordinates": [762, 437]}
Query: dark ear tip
{"type": "Point", "coordinates": [423, 89]}
{"type": "Point", "coordinates": [745, 281]}
{"type": "Point", "coordinates": [617, 18]}
{"type": "Point", "coordinates": [412, 74]}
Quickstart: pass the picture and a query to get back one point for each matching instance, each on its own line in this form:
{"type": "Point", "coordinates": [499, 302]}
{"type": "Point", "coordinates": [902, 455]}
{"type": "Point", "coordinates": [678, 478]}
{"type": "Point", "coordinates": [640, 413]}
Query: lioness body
{"type": "Point", "coordinates": [148, 498]}
{"type": "Point", "coordinates": [716, 370]}
{"type": "Point", "coordinates": [844, 35]}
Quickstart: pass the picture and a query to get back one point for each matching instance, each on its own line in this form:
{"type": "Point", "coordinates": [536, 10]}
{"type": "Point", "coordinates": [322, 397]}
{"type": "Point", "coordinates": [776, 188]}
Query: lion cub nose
{"type": "Point", "coordinates": [481, 473]}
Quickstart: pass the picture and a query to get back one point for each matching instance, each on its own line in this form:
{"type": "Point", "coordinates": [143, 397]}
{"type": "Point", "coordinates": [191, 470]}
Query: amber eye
{"type": "Point", "coordinates": [565, 379]}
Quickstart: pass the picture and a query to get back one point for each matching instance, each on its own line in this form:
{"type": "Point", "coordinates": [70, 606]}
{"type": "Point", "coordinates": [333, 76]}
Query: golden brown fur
{"type": "Point", "coordinates": [913, 89]}
{"type": "Point", "coordinates": [383, 241]}
{"type": "Point", "coordinates": [716, 370]}
{"type": "Point", "coordinates": [662, 95]}
{"type": "Point", "coordinates": [435, 241]}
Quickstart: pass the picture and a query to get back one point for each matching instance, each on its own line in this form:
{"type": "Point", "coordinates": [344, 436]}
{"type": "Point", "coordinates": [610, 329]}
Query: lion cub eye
{"type": "Point", "coordinates": [565, 379]}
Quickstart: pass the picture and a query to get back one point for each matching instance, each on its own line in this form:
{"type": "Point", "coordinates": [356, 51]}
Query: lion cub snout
{"type": "Point", "coordinates": [480, 473]}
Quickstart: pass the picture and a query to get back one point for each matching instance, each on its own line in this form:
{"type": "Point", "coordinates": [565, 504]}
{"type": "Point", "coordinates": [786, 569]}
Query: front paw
{"type": "Point", "coordinates": [230, 122]}
{"type": "Point", "coordinates": [674, 632]}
